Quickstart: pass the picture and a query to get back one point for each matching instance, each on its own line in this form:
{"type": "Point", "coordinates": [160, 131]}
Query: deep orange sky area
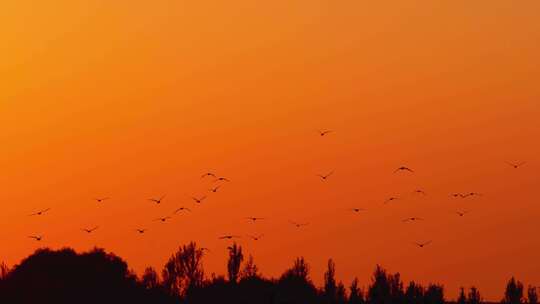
{"type": "Point", "coordinates": [136, 99]}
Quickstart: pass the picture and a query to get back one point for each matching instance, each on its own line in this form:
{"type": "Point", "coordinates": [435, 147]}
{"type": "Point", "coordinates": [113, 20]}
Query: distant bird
{"type": "Point", "coordinates": [140, 231]}
{"type": "Point", "coordinates": [89, 230]}
{"type": "Point", "coordinates": [228, 237]}
{"type": "Point", "coordinates": [181, 209]}
{"type": "Point", "coordinates": [324, 132]}
{"type": "Point", "coordinates": [41, 212]}
{"type": "Point", "coordinates": [472, 194]}
{"type": "Point", "coordinates": [36, 237]}
{"type": "Point", "coordinates": [422, 245]}
{"type": "Point", "coordinates": [326, 176]}
{"type": "Point", "coordinates": [461, 213]}
{"type": "Point", "coordinates": [419, 191]}
{"type": "Point", "coordinates": [162, 219]}
{"type": "Point", "coordinates": [391, 199]}
{"type": "Point", "coordinates": [221, 179]}
{"type": "Point", "coordinates": [403, 169]}
{"type": "Point", "coordinates": [157, 200]}
{"type": "Point", "coordinates": [254, 219]}
{"type": "Point", "coordinates": [516, 165]}
{"type": "Point", "coordinates": [455, 195]}
{"type": "Point", "coordinates": [215, 189]}
{"type": "Point", "coordinates": [198, 200]}
{"type": "Point", "coordinates": [413, 219]}
{"type": "Point", "coordinates": [357, 209]}
{"type": "Point", "coordinates": [256, 237]}
{"type": "Point", "coordinates": [298, 225]}
{"type": "Point", "coordinates": [205, 249]}
{"type": "Point", "coordinates": [208, 174]}
{"type": "Point", "coordinates": [99, 200]}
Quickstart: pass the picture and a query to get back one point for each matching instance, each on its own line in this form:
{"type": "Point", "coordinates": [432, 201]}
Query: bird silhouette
{"type": "Point", "coordinates": [256, 237]}
{"type": "Point", "coordinates": [516, 165]}
{"type": "Point", "coordinates": [157, 200]}
{"type": "Point", "coordinates": [41, 212]}
{"type": "Point", "coordinates": [140, 231]}
{"type": "Point", "coordinates": [422, 245]}
{"type": "Point", "coordinates": [99, 200]}
{"type": "Point", "coordinates": [326, 176]}
{"type": "Point", "coordinates": [298, 225]}
{"type": "Point", "coordinates": [215, 189]}
{"type": "Point", "coordinates": [162, 219]}
{"type": "Point", "coordinates": [181, 209]}
{"type": "Point", "coordinates": [403, 169]}
{"type": "Point", "coordinates": [419, 191]}
{"type": "Point", "coordinates": [357, 209]}
{"type": "Point", "coordinates": [456, 195]}
{"type": "Point", "coordinates": [472, 194]}
{"type": "Point", "coordinates": [36, 237]}
{"type": "Point", "coordinates": [208, 174]}
{"type": "Point", "coordinates": [221, 179]}
{"type": "Point", "coordinates": [228, 237]}
{"type": "Point", "coordinates": [89, 230]}
{"type": "Point", "coordinates": [198, 200]}
{"type": "Point", "coordinates": [413, 219]}
{"type": "Point", "coordinates": [324, 132]}
{"type": "Point", "coordinates": [462, 213]}
{"type": "Point", "coordinates": [391, 199]}
{"type": "Point", "coordinates": [254, 219]}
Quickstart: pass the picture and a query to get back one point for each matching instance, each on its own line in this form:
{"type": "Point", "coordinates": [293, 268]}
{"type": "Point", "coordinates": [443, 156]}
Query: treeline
{"type": "Point", "coordinates": [64, 276]}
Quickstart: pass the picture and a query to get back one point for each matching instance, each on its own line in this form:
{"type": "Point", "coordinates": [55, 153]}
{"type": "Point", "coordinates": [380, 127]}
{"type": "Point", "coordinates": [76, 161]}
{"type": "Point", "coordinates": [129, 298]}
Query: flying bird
{"type": "Point", "coordinates": [254, 219]}
{"type": "Point", "coordinates": [422, 245]}
{"type": "Point", "coordinates": [324, 177]}
{"type": "Point", "coordinates": [157, 200]}
{"type": "Point", "coordinates": [140, 231]}
{"type": "Point", "coordinates": [391, 199]}
{"type": "Point", "coordinates": [461, 213]}
{"type": "Point", "coordinates": [472, 194]}
{"type": "Point", "coordinates": [256, 237]}
{"type": "Point", "coordinates": [419, 191]}
{"type": "Point", "coordinates": [413, 219]}
{"type": "Point", "coordinates": [198, 200]}
{"type": "Point", "coordinates": [36, 237]}
{"type": "Point", "coordinates": [228, 237]}
{"type": "Point", "coordinates": [89, 230]}
{"type": "Point", "coordinates": [215, 189]}
{"type": "Point", "coordinates": [221, 179]}
{"type": "Point", "coordinates": [208, 174]}
{"type": "Point", "coordinates": [456, 195]}
{"type": "Point", "coordinates": [181, 209]}
{"type": "Point", "coordinates": [516, 165]}
{"type": "Point", "coordinates": [162, 219]}
{"type": "Point", "coordinates": [99, 200]}
{"type": "Point", "coordinates": [298, 225]}
{"type": "Point", "coordinates": [357, 209]}
{"type": "Point", "coordinates": [403, 169]}
{"type": "Point", "coordinates": [41, 212]}
{"type": "Point", "coordinates": [324, 132]}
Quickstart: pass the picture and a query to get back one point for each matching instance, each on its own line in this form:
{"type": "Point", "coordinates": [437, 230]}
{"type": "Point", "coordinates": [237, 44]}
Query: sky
{"type": "Point", "coordinates": [137, 99]}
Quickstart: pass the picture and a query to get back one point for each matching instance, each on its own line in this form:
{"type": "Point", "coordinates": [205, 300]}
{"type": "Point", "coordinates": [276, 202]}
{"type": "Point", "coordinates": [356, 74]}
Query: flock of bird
{"type": "Point", "coordinates": [220, 180]}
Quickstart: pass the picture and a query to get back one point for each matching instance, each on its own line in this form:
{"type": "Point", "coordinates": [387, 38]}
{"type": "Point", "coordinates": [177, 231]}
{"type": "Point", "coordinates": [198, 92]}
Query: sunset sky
{"type": "Point", "coordinates": [137, 99]}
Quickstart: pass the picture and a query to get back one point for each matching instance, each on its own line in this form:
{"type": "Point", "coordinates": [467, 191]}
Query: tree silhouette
{"type": "Point", "coordinates": [235, 261]}
{"type": "Point", "coordinates": [356, 295]}
{"type": "Point", "coordinates": [4, 270]}
{"type": "Point", "coordinates": [330, 287]}
{"type": "Point", "coordinates": [532, 296]}
{"type": "Point", "coordinates": [150, 278]}
{"type": "Point", "coordinates": [462, 299]}
{"type": "Point", "coordinates": [385, 288]}
{"type": "Point", "coordinates": [295, 286]}
{"type": "Point", "coordinates": [434, 294]}
{"type": "Point", "coordinates": [414, 294]}
{"type": "Point", "coordinates": [250, 269]}
{"type": "Point", "coordinates": [341, 294]}
{"type": "Point", "coordinates": [183, 271]}
{"type": "Point", "coordinates": [513, 293]}
{"type": "Point", "coordinates": [474, 296]}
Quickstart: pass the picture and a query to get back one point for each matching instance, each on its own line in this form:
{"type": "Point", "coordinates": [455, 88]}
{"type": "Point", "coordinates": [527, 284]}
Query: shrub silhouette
{"type": "Point", "coordinates": [513, 293]}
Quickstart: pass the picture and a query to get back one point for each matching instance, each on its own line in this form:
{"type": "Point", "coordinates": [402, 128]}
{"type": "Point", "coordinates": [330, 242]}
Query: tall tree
{"type": "Point", "coordinates": [330, 287]}
{"type": "Point", "coordinates": [356, 295]}
{"type": "Point", "coordinates": [462, 299]}
{"type": "Point", "coordinates": [183, 271]}
{"type": "Point", "coordinates": [414, 294]}
{"type": "Point", "coordinates": [532, 296]}
{"type": "Point", "coordinates": [514, 292]}
{"type": "Point", "coordinates": [434, 294]}
{"type": "Point", "coordinates": [235, 261]}
{"type": "Point", "coordinates": [250, 269]}
{"type": "Point", "coordinates": [474, 296]}
{"type": "Point", "coordinates": [150, 278]}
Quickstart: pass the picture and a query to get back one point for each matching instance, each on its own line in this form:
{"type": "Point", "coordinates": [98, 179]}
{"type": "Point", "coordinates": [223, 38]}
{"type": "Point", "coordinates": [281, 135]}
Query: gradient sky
{"type": "Point", "coordinates": [135, 99]}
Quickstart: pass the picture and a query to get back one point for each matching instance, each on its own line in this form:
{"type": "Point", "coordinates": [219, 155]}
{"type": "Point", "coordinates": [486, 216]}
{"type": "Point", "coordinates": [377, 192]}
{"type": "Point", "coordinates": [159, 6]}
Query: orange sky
{"type": "Point", "coordinates": [135, 99]}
